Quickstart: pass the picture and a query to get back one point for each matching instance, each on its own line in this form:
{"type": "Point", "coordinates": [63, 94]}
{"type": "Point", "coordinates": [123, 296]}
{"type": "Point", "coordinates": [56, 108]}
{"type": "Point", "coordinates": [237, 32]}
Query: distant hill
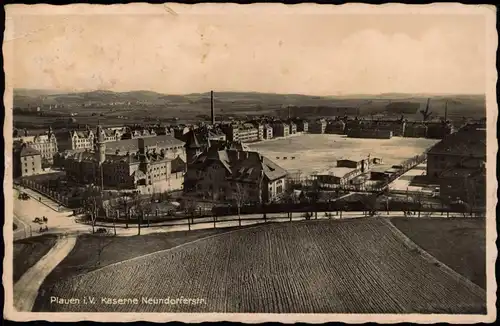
{"type": "Point", "coordinates": [251, 101]}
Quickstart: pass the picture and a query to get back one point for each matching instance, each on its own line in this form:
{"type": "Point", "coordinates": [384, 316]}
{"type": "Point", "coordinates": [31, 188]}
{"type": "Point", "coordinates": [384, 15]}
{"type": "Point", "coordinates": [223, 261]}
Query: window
{"type": "Point", "coordinates": [26, 170]}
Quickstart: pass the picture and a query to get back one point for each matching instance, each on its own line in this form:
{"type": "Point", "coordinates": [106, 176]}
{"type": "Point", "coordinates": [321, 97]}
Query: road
{"type": "Point", "coordinates": [62, 221]}
{"type": "Point", "coordinates": [26, 289]}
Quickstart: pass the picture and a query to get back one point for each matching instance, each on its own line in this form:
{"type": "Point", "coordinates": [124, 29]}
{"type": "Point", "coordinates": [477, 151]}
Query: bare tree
{"type": "Point", "coordinates": [314, 195]}
{"type": "Point", "coordinates": [91, 200]}
{"type": "Point", "coordinates": [141, 206]}
{"type": "Point", "coordinates": [106, 205]}
{"type": "Point", "coordinates": [470, 194]}
{"type": "Point", "coordinates": [240, 197]}
{"type": "Point", "coordinates": [370, 204]}
{"type": "Point", "coordinates": [426, 114]}
{"type": "Point", "coordinates": [190, 209]}
{"type": "Point", "coordinates": [123, 203]}
{"type": "Point", "coordinates": [418, 199]}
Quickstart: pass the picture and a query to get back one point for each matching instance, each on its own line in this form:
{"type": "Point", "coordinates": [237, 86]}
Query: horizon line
{"type": "Point", "coordinates": [61, 92]}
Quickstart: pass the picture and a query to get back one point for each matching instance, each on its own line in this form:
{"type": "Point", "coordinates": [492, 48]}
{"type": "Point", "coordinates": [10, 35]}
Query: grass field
{"type": "Point", "coordinates": [355, 266]}
{"type": "Point", "coordinates": [458, 243]}
{"type": "Point", "coordinates": [317, 152]}
{"type": "Point", "coordinates": [27, 252]}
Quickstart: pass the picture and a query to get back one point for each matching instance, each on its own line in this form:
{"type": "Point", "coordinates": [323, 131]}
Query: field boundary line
{"type": "Point", "coordinates": [26, 289]}
{"type": "Point", "coordinates": [476, 289]}
{"type": "Point", "coordinates": [170, 249]}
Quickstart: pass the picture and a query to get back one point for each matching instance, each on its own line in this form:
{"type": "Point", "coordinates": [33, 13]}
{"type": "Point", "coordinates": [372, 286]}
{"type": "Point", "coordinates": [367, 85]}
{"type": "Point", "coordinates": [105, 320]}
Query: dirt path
{"type": "Point", "coordinates": [26, 289]}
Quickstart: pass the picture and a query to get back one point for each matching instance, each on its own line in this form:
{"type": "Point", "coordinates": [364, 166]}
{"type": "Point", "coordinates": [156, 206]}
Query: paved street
{"type": "Point", "coordinates": [61, 222]}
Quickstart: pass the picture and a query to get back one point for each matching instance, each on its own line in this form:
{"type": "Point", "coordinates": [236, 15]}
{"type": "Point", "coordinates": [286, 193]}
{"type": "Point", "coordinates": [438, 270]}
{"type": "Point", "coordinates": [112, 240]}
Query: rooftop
{"type": "Point", "coordinates": [465, 143]}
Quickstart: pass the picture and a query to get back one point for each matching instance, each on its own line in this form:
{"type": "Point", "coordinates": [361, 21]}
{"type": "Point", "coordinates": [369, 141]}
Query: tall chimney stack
{"type": "Point", "coordinates": [212, 106]}
{"type": "Point", "coordinates": [446, 111]}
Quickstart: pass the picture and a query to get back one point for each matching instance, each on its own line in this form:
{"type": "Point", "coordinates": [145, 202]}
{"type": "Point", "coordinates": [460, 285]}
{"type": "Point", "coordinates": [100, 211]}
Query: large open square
{"type": "Point", "coordinates": [313, 153]}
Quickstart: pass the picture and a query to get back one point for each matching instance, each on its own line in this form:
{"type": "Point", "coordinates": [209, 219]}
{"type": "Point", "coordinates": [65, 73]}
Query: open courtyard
{"type": "Point", "coordinates": [311, 153]}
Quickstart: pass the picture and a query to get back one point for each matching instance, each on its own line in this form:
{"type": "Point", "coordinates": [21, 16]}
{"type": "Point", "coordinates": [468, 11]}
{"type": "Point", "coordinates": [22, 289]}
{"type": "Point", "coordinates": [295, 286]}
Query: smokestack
{"type": "Point", "coordinates": [212, 106]}
{"type": "Point", "coordinates": [446, 112]}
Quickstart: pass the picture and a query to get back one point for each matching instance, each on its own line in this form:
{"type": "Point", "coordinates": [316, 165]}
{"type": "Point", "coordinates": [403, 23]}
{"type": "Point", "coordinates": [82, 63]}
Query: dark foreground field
{"type": "Point", "coordinates": [28, 252]}
{"type": "Point", "coordinates": [92, 252]}
{"type": "Point", "coordinates": [458, 243]}
{"type": "Point", "coordinates": [352, 266]}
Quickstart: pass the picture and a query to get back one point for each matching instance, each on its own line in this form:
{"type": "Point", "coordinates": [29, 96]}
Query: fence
{"type": "Point", "coordinates": [47, 192]}
{"type": "Point", "coordinates": [283, 208]}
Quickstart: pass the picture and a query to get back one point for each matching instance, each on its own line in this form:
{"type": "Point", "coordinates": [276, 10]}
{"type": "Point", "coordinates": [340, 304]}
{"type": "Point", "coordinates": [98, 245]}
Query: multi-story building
{"type": "Point", "coordinates": [439, 130]}
{"type": "Point", "coordinates": [292, 127]}
{"type": "Point", "coordinates": [280, 129]}
{"type": "Point", "coordinates": [171, 146]}
{"type": "Point", "coordinates": [123, 164]}
{"type": "Point", "coordinates": [232, 131]}
{"type": "Point", "coordinates": [260, 127]}
{"type": "Point", "coordinates": [234, 175]}
{"type": "Point", "coordinates": [335, 127]}
{"type": "Point", "coordinates": [75, 140]}
{"type": "Point", "coordinates": [46, 144]}
{"type": "Point", "coordinates": [317, 126]}
{"type": "Point", "coordinates": [415, 130]}
{"type": "Point", "coordinates": [465, 149]}
{"type": "Point", "coordinates": [180, 132]}
{"type": "Point", "coordinates": [464, 184]}
{"type": "Point", "coordinates": [248, 133]}
{"type": "Point", "coordinates": [302, 125]}
{"type": "Point", "coordinates": [396, 126]}
{"type": "Point", "coordinates": [26, 160]}
{"type": "Point", "coordinates": [111, 134]}
{"type": "Point", "coordinates": [138, 132]}
{"type": "Point", "coordinates": [268, 131]}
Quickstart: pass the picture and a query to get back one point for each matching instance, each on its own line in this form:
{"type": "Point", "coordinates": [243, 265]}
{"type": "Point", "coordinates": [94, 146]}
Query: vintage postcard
{"type": "Point", "coordinates": [265, 162]}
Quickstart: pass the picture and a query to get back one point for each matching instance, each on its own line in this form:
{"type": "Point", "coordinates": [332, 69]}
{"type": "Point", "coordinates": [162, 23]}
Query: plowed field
{"type": "Point", "coordinates": [355, 266]}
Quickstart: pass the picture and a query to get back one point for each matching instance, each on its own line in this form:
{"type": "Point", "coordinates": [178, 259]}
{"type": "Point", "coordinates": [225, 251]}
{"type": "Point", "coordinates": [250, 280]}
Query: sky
{"type": "Point", "coordinates": [301, 53]}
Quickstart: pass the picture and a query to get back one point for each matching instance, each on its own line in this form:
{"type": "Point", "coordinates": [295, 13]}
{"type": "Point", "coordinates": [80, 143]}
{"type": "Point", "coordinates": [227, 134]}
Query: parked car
{"type": "Point", "coordinates": [23, 196]}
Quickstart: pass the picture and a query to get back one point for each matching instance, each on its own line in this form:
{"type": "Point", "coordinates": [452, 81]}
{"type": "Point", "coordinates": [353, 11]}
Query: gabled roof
{"type": "Point", "coordinates": [192, 140]}
{"type": "Point", "coordinates": [465, 143]}
{"type": "Point", "coordinates": [244, 166]}
{"type": "Point", "coordinates": [163, 141]}
{"type": "Point", "coordinates": [28, 151]}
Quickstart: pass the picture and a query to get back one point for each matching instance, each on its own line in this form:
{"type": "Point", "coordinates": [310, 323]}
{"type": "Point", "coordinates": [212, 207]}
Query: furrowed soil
{"type": "Point", "coordinates": [458, 243]}
{"type": "Point", "coordinates": [27, 252]}
{"type": "Point", "coordinates": [352, 266]}
{"type": "Point", "coordinates": [92, 252]}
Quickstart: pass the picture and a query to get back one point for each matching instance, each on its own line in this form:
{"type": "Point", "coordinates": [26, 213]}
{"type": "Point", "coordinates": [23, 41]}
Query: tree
{"type": "Point", "coordinates": [141, 206]}
{"type": "Point", "coordinates": [91, 201]}
{"type": "Point", "coordinates": [370, 203]}
{"type": "Point", "coordinates": [289, 198]}
{"type": "Point", "coordinates": [106, 205]}
{"type": "Point", "coordinates": [190, 209]}
{"type": "Point", "coordinates": [123, 203]}
{"type": "Point", "coordinates": [470, 195]}
{"type": "Point", "coordinates": [426, 114]}
{"type": "Point", "coordinates": [240, 197]}
{"type": "Point", "coordinates": [314, 195]}
{"type": "Point", "coordinates": [418, 199]}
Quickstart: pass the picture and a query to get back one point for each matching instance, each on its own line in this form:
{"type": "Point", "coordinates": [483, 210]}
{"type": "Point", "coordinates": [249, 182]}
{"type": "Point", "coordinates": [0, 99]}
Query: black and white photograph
{"type": "Point", "coordinates": [257, 162]}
